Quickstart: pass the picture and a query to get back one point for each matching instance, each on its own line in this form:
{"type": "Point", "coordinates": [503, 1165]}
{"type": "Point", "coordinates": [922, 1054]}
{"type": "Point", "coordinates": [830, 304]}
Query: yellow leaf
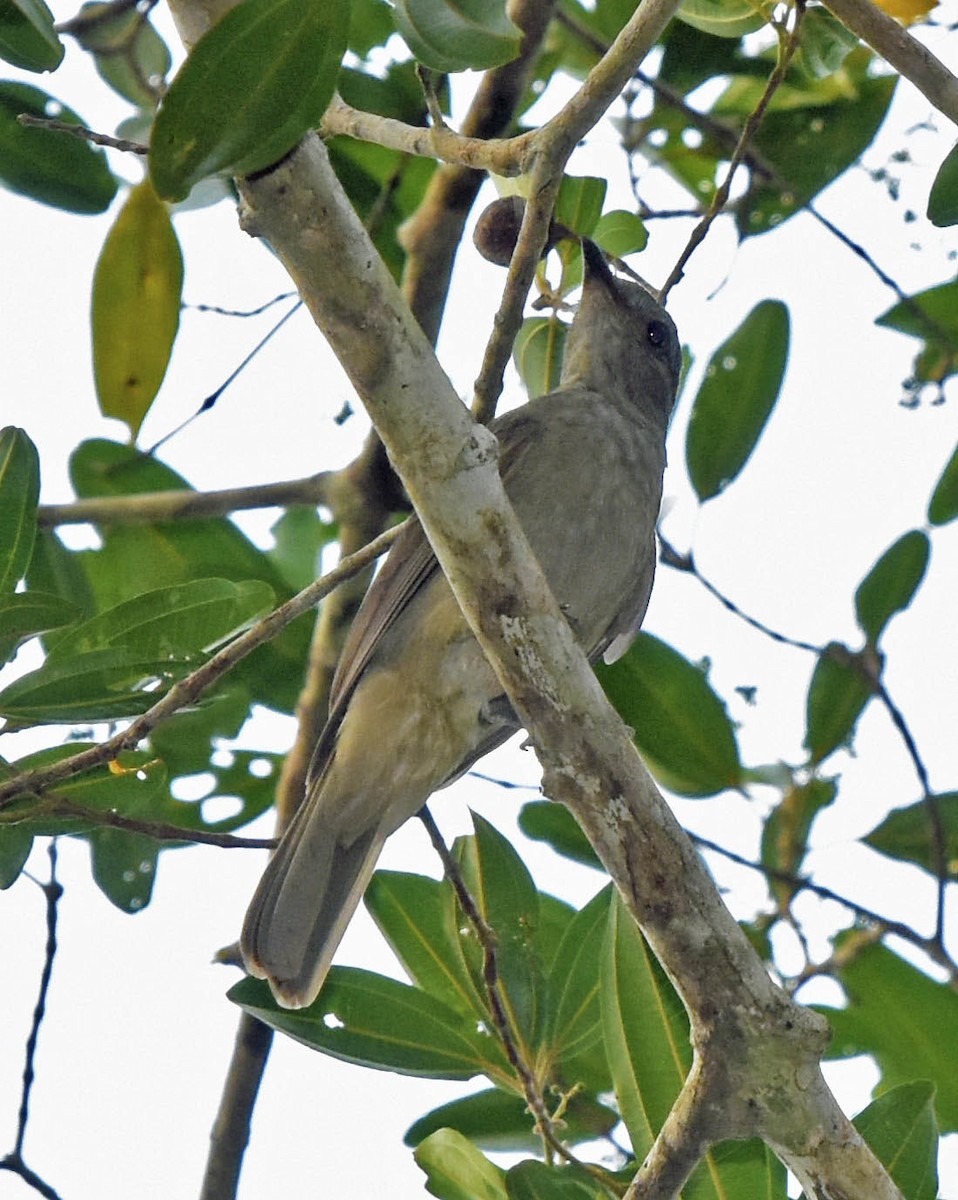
{"type": "Point", "coordinates": [136, 307]}
{"type": "Point", "coordinates": [907, 10]}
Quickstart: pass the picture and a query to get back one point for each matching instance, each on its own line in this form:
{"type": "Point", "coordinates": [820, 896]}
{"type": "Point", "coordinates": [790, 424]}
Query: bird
{"type": "Point", "coordinates": [414, 703]}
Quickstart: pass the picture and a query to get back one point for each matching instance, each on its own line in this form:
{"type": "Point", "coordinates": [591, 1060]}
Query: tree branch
{"type": "Point", "coordinates": [900, 50]}
{"type": "Point", "coordinates": [152, 508]}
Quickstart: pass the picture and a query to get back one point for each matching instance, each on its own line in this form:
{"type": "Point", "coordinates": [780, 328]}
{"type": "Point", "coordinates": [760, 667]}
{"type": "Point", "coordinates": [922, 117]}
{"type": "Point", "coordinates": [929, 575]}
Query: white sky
{"type": "Point", "coordinates": [137, 1035]}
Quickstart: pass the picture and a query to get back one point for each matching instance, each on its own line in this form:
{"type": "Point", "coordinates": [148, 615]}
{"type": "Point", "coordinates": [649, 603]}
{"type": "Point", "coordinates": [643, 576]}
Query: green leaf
{"type": "Point", "coordinates": [537, 353]}
{"type": "Point", "coordinates": [104, 685]}
{"type": "Point", "coordinates": [377, 1022]}
{"type": "Point", "coordinates": [250, 89]}
{"type": "Point", "coordinates": [646, 1030]}
{"type": "Point", "coordinates": [908, 1022]}
{"type": "Point", "coordinates": [16, 842]}
{"type": "Point", "coordinates": [943, 198]}
{"type": "Point", "coordinates": [943, 505]}
{"type": "Point", "coordinates": [679, 723]}
{"type": "Point", "coordinates": [174, 621]}
{"type": "Point", "coordinates": [299, 537]}
{"type": "Point", "coordinates": [620, 233]}
{"type": "Point", "coordinates": [506, 896]}
{"type": "Point", "coordinates": [27, 36]}
{"type": "Point", "coordinates": [457, 35]}
{"type": "Point", "coordinates": [906, 833]}
{"type": "Point", "coordinates": [417, 916]}
{"type": "Point", "coordinates": [19, 493]}
{"type": "Point", "coordinates": [737, 1169]}
{"type": "Point", "coordinates": [456, 1170]}
{"type": "Point", "coordinates": [840, 688]}
{"type": "Point", "coordinates": [534, 1180]}
{"type": "Point", "coordinates": [890, 585]}
{"type": "Point", "coordinates": [579, 203]}
{"type": "Point", "coordinates": [28, 613]}
{"type": "Point", "coordinates": [499, 1121]}
{"type": "Point", "coordinates": [692, 56]}
{"type": "Point", "coordinates": [723, 18]}
{"type": "Point", "coordinates": [785, 832]}
{"type": "Point", "coordinates": [552, 823]}
{"type": "Point", "coordinates": [135, 559]}
{"type": "Point", "coordinates": [370, 24]}
{"type": "Point", "coordinates": [809, 147]}
{"type": "Point", "coordinates": [573, 983]}
{"type": "Point", "coordinates": [50, 167]}
{"type": "Point", "coordinates": [124, 866]}
{"type": "Point", "coordinates": [932, 316]}
{"type": "Point", "coordinates": [736, 398]}
{"type": "Point", "coordinates": [130, 55]}
{"type": "Point", "coordinates": [826, 43]}
{"type": "Point", "coordinates": [901, 1129]}
{"type": "Point", "coordinates": [137, 289]}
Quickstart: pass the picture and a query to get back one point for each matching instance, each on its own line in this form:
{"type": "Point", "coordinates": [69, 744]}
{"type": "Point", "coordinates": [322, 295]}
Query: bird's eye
{"type": "Point", "coordinates": [657, 333]}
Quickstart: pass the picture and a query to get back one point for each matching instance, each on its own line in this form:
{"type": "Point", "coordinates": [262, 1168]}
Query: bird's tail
{"type": "Point", "coordinates": [306, 898]}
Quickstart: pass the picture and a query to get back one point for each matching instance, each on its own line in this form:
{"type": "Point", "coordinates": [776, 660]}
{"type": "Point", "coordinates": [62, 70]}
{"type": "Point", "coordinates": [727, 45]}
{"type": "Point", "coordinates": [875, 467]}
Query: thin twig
{"type": "Point", "coordinates": [160, 831]}
{"type": "Point", "coordinates": [150, 508]}
{"type": "Point", "coordinates": [13, 1161]}
{"type": "Point", "coordinates": [670, 557]}
{"type": "Point", "coordinates": [187, 690]}
{"type": "Point", "coordinates": [930, 945]}
{"type": "Point", "coordinates": [722, 192]}
{"type": "Point", "coordinates": [82, 132]}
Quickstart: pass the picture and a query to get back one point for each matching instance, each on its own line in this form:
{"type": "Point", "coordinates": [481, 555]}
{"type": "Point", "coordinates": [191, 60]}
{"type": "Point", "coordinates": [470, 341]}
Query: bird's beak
{"type": "Point", "coordinates": [596, 269]}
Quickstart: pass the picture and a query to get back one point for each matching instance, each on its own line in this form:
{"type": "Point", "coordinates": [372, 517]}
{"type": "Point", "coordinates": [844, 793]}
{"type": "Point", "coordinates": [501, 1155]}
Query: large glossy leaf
{"type": "Point", "coordinates": [809, 147]}
{"type": "Point", "coordinates": [837, 694]}
{"type": "Point", "coordinates": [736, 398]}
{"type": "Point", "coordinates": [378, 1022]}
{"type": "Point", "coordinates": [547, 821]}
{"type": "Point", "coordinates": [576, 1018]}
{"type": "Point", "coordinates": [500, 883]}
{"type": "Point", "coordinates": [456, 1170]}
{"type": "Point", "coordinates": [579, 203]}
{"type": "Point", "coordinates": [136, 559]}
{"type": "Point", "coordinates": [25, 614]}
{"type": "Point", "coordinates": [906, 1020]}
{"type": "Point", "coordinates": [250, 89]}
{"type": "Point", "coordinates": [498, 1120]}
{"type": "Point", "coordinates": [723, 18]}
{"type": "Point", "coordinates": [53, 168]}
{"type": "Point", "coordinates": [27, 36]}
{"type": "Point", "coordinates": [900, 1127]}
{"type": "Point", "coordinates": [130, 55]}
{"type": "Point", "coordinates": [177, 620]}
{"type": "Point", "coordinates": [537, 353]}
{"type": "Point", "coordinates": [943, 505]}
{"type": "Point", "coordinates": [890, 585]}
{"type": "Point", "coordinates": [535, 1180]}
{"type": "Point", "coordinates": [417, 916]}
{"type": "Point", "coordinates": [104, 685]}
{"type": "Point", "coordinates": [906, 833]}
{"type": "Point", "coordinates": [135, 312]}
{"type": "Point", "coordinates": [19, 493]}
{"type": "Point", "coordinates": [645, 1028]}
{"type": "Point", "coordinates": [943, 198]}
{"type": "Point", "coordinates": [680, 725]}
{"type": "Point", "coordinates": [457, 35]}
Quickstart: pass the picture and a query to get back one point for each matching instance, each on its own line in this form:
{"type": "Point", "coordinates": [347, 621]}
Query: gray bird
{"type": "Point", "coordinates": [414, 703]}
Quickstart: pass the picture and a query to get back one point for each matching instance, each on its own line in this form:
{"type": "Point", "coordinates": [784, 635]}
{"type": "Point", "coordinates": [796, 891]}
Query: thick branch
{"type": "Point", "coordinates": [449, 468]}
{"type": "Point", "coordinates": [902, 51]}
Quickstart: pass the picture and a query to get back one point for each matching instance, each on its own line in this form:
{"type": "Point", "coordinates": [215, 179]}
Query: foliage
{"type": "Point", "coordinates": [589, 1023]}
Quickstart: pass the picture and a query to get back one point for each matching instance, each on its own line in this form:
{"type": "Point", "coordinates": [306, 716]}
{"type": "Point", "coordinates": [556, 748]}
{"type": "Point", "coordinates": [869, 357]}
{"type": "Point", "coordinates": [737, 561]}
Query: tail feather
{"type": "Point", "coordinates": [306, 898]}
